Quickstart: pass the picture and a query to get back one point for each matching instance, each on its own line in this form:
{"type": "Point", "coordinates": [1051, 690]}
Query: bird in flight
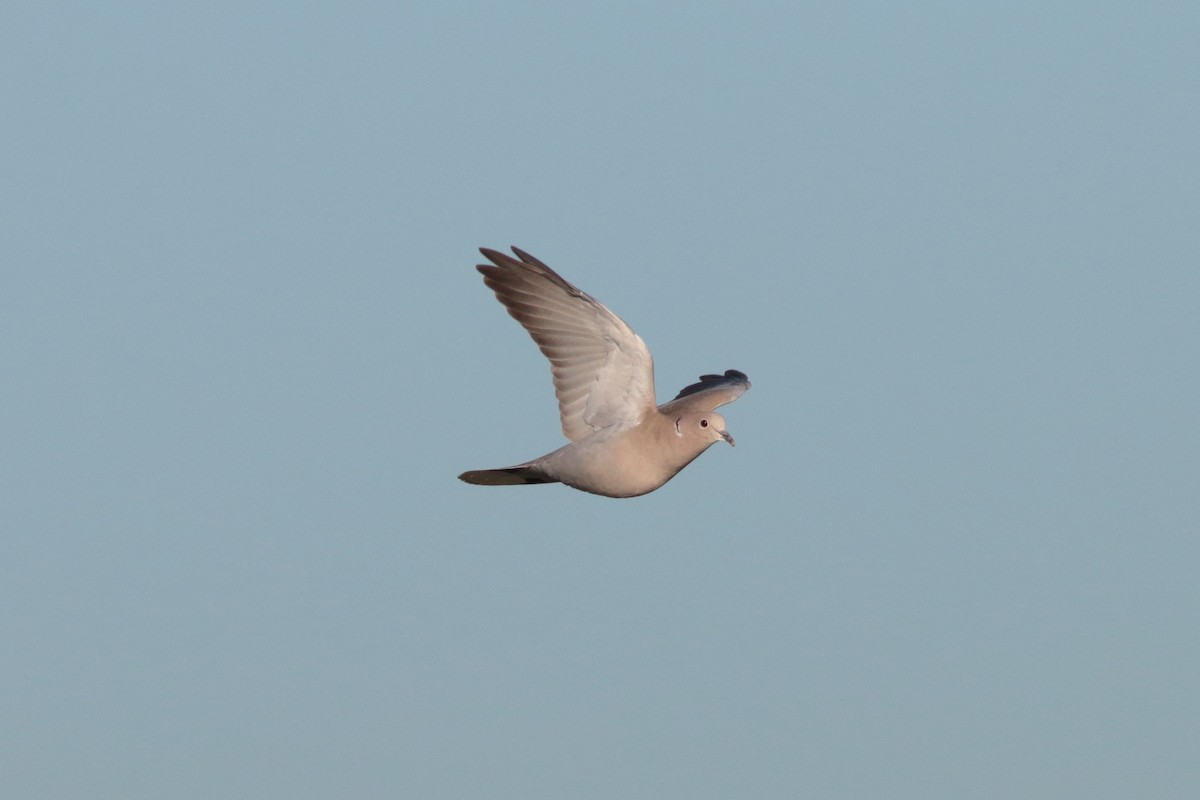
{"type": "Point", "coordinates": [622, 444]}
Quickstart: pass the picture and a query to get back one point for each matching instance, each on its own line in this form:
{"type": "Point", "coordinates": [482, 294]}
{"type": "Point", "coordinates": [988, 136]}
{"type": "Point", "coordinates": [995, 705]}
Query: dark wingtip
{"type": "Point", "coordinates": [730, 376]}
{"type": "Point", "coordinates": [528, 259]}
{"type": "Point", "coordinates": [503, 259]}
{"type": "Point", "coordinates": [525, 263]}
{"type": "Point", "coordinates": [499, 260]}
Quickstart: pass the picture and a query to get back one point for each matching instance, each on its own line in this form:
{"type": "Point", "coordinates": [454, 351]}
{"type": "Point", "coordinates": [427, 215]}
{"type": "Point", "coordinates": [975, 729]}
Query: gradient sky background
{"type": "Point", "coordinates": [955, 246]}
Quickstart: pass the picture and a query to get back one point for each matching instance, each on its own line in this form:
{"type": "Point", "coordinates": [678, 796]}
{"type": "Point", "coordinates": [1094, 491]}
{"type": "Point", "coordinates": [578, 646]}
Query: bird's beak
{"type": "Point", "coordinates": [725, 435]}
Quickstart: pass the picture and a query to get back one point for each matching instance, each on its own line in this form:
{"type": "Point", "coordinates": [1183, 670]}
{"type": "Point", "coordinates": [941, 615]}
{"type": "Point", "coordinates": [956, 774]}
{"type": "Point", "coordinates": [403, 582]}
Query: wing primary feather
{"type": "Point", "coordinates": [603, 373]}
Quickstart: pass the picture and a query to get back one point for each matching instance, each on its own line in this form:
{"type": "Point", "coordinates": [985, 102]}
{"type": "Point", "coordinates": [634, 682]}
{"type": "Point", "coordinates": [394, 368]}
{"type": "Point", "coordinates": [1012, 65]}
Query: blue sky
{"type": "Point", "coordinates": [954, 554]}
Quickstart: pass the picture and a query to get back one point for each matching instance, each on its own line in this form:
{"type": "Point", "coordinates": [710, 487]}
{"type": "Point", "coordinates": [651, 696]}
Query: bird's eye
{"type": "Point", "coordinates": [703, 423]}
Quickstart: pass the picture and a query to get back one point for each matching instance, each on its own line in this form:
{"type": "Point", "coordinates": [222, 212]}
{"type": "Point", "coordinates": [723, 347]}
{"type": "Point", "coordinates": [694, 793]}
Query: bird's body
{"type": "Point", "coordinates": [614, 463]}
{"type": "Point", "coordinates": [622, 444]}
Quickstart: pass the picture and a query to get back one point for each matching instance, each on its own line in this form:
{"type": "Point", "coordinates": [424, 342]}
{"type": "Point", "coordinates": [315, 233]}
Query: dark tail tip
{"type": "Point", "coordinates": [508, 476]}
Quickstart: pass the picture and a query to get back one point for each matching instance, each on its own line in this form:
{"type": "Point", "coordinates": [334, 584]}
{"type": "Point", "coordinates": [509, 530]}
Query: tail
{"type": "Point", "coordinates": [506, 476]}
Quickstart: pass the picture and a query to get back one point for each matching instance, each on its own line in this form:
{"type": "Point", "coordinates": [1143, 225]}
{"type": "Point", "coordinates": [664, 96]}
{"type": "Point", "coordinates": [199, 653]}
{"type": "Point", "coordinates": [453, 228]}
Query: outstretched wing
{"type": "Point", "coordinates": [711, 392]}
{"type": "Point", "coordinates": [603, 372]}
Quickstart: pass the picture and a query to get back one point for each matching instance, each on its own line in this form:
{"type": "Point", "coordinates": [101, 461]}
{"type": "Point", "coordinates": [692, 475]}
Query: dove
{"type": "Point", "coordinates": [622, 444]}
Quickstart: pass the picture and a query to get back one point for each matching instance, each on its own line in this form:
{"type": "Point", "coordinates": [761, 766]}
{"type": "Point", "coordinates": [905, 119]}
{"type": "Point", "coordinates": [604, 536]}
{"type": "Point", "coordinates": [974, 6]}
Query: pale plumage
{"type": "Point", "coordinates": [622, 444]}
